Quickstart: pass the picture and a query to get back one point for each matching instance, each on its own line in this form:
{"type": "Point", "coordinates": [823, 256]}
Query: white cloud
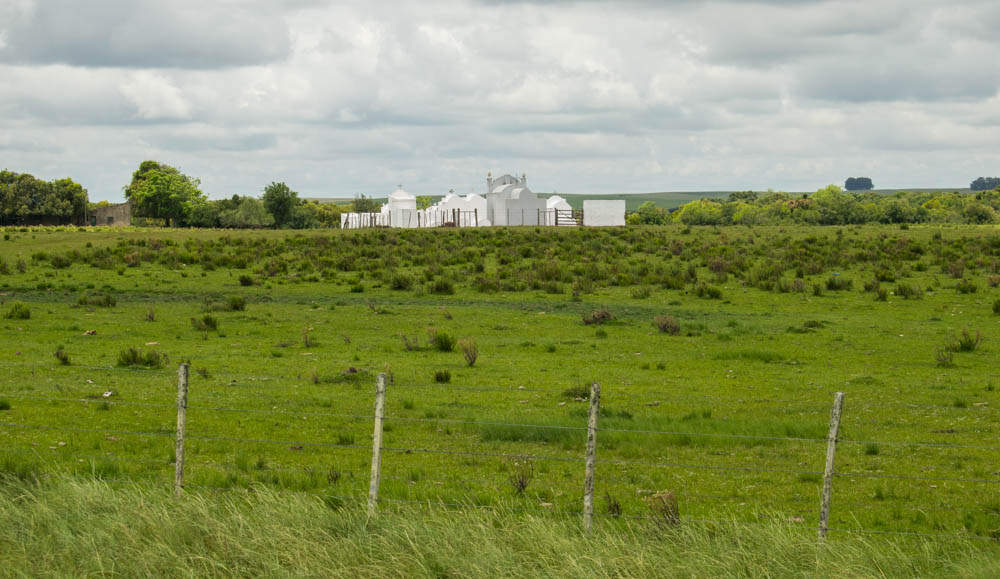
{"type": "Point", "coordinates": [155, 96]}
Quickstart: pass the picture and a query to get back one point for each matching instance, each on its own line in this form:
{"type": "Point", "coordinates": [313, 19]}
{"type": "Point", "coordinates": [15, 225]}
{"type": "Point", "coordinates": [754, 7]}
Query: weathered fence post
{"type": "Point", "coordinates": [831, 449]}
{"type": "Point", "coordinates": [476, 213]}
{"type": "Point", "coordinates": [377, 444]}
{"type": "Point", "coordinates": [182, 402]}
{"type": "Point", "coordinates": [588, 481]}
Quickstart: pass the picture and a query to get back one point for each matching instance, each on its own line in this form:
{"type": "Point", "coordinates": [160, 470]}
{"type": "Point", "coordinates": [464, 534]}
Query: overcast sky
{"type": "Point", "coordinates": [339, 98]}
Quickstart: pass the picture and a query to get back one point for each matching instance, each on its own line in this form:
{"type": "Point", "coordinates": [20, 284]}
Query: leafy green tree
{"type": "Point", "coordinates": [984, 183]}
{"type": "Point", "coordinates": [858, 184]}
{"type": "Point", "coordinates": [364, 204]}
{"type": "Point", "coordinates": [249, 214]}
{"type": "Point", "coordinates": [649, 214]}
{"type": "Point", "coordinates": [700, 212]}
{"type": "Point", "coordinates": [424, 201]}
{"type": "Point", "coordinates": [25, 198]}
{"type": "Point", "coordinates": [159, 191]}
{"type": "Point", "coordinates": [281, 202]}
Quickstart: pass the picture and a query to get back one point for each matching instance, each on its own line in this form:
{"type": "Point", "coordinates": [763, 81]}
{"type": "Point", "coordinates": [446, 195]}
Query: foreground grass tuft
{"type": "Point", "coordinates": [72, 527]}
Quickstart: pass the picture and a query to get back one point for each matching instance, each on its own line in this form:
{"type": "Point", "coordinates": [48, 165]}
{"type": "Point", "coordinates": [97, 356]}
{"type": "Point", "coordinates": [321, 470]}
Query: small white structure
{"type": "Point", "coordinates": [468, 211]}
{"type": "Point", "coordinates": [510, 202]}
{"type": "Point", "coordinates": [604, 213]}
{"type": "Point", "coordinates": [402, 208]}
{"type": "Point", "coordinates": [558, 212]}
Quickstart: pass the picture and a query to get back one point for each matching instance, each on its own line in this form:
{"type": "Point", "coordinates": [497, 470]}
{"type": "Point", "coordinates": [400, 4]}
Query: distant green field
{"type": "Point", "coordinates": [719, 351]}
{"type": "Point", "coordinates": [666, 199]}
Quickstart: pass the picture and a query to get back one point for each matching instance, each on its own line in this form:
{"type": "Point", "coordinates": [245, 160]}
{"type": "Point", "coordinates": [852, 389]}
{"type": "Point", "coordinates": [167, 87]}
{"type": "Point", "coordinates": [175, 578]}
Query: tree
{"type": "Point", "coordinates": [858, 184]}
{"type": "Point", "coordinates": [249, 214]}
{"type": "Point", "coordinates": [985, 183]}
{"type": "Point", "coordinates": [281, 202]}
{"type": "Point", "coordinates": [648, 214]}
{"type": "Point", "coordinates": [160, 191]}
{"type": "Point", "coordinates": [424, 201]}
{"type": "Point", "coordinates": [25, 198]}
{"type": "Point", "coordinates": [364, 204]}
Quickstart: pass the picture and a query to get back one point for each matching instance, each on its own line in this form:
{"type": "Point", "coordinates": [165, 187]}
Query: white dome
{"type": "Point", "coordinates": [401, 195]}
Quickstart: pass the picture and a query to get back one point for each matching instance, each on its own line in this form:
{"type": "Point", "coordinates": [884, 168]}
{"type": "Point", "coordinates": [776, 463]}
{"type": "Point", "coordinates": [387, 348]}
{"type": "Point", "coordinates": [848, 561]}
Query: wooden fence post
{"type": "Point", "coordinates": [182, 401]}
{"type": "Point", "coordinates": [377, 444]}
{"type": "Point", "coordinates": [476, 213]}
{"type": "Point", "coordinates": [831, 449]}
{"type": "Point", "coordinates": [588, 481]}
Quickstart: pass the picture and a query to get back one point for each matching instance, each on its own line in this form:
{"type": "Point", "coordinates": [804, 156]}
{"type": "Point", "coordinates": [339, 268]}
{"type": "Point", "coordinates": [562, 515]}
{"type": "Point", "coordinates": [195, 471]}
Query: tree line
{"type": "Point", "coordinates": [829, 206]}
{"type": "Point", "coordinates": [160, 193]}
{"type": "Point", "coordinates": [25, 199]}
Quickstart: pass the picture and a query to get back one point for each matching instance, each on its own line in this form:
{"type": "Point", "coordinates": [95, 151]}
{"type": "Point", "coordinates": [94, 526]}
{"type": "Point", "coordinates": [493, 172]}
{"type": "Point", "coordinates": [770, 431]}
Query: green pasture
{"type": "Point", "coordinates": [285, 333]}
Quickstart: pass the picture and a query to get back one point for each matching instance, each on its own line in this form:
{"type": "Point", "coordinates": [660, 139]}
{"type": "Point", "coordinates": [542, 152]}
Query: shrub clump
{"type": "Point", "coordinates": [442, 341]}
{"type": "Point", "coordinates": [470, 350]}
{"type": "Point", "coordinates": [598, 317]}
{"type": "Point", "coordinates": [135, 357]}
{"type": "Point", "coordinates": [443, 287]}
{"type": "Point", "coordinates": [18, 311]}
{"type": "Point", "coordinates": [99, 299]}
{"type": "Point", "coordinates": [62, 356]}
{"type": "Point", "coordinates": [442, 376]}
{"type": "Point", "coordinates": [709, 292]}
{"type": "Point", "coordinates": [205, 323]}
{"type": "Point", "coordinates": [996, 307]}
{"type": "Point", "coordinates": [909, 292]}
{"type": "Point", "coordinates": [401, 281]}
{"type": "Point", "coordinates": [667, 325]}
{"type": "Point", "coordinates": [836, 283]}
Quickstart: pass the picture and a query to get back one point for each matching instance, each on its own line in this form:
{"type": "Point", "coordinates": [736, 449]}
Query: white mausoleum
{"type": "Point", "coordinates": [510, 202]}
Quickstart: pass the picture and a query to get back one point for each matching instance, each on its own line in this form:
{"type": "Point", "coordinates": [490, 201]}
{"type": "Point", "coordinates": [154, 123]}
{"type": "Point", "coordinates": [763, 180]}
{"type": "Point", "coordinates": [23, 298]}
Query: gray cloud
{"type": "Point", "coordinates": [144, 33]}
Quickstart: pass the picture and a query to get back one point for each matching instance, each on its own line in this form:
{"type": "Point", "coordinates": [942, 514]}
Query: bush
{"type": "Point", "coordinates": [236, 303]}
{"type": "Point", "coordinates": [836, 283]}
{"type": "Point", "coordinates": [18, 311]}
{"type": "Point", "coordinates": [246, 280]}
{"type": "Point", "coordinates": [442, 376]}
{"type": "Point", "coordinates": [401, 281]}
{"type": "Point", "coordinates": [598, 317]}
{"type": "Point", "coordinates": [967, 342]}
{"type": "Point", "coordinates": [667, 325]}
{"type": "Point", "coordinates": [469, 350]}
{"type": "Point", "coordinates": [62, 356]}
{"type": "Point", "coordinates": [996, 307]}
{"type": "Point", "coordinates": [443, 287]}
{"type": "Point", "coordinates": [944, 358]}
{"type": "Point", "coordinates": [4, 404]}
{"type": "Point", "coordinates": [442, 341]}
{"type": "Point", "coordinates": [99, 299]}
{"type": "Point", "coordinates": [205, 323]}
{"type": "Point", "coordinates": [709, 292]}
{"type": "Point", "coordinates": [909, 292]}
{"type": "Point", "coordinates": [641, 292]}
{"type": "Point", "coordinates": [966, 287]}
{"type": "Point", "coordinates": [134, 357]}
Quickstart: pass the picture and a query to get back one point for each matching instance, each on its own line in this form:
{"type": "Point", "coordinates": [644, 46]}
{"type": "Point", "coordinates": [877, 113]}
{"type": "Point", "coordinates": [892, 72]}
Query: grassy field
{"type": "Point", "coordinates": [726, 407]}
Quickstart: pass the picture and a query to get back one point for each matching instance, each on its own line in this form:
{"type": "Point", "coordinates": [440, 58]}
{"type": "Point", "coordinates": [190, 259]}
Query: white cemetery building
{"type": "Point", "coordinates": [510, 202]}
{"type": "Point", "coordinates": [402, 209]}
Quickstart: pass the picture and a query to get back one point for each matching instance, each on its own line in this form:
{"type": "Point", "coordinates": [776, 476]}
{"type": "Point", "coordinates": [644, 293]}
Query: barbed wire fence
{"type": "Point", "coordinates": [590, 462]}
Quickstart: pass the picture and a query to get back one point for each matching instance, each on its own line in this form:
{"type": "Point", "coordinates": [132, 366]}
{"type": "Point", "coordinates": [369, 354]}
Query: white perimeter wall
{"type": "Point", "coordinates": [604, 213]}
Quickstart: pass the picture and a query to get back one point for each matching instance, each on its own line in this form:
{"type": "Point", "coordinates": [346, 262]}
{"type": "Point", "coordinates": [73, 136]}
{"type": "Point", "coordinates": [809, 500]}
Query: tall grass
{"type": "Point", "coordinates": [69, 527]}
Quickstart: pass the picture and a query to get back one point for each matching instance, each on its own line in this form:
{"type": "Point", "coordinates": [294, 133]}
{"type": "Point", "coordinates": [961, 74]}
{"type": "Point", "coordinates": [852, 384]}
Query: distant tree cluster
{"type": "Point", "coordinates": [830, 206]}
{"type": "Point", "coordinates": [26, 200]}
{"type": "Point", "coordinates": [858, 184]}
{"type": "Point", "coordinates": [985, 183]}
{"type": "Point", "coordinates": [162, 193]}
